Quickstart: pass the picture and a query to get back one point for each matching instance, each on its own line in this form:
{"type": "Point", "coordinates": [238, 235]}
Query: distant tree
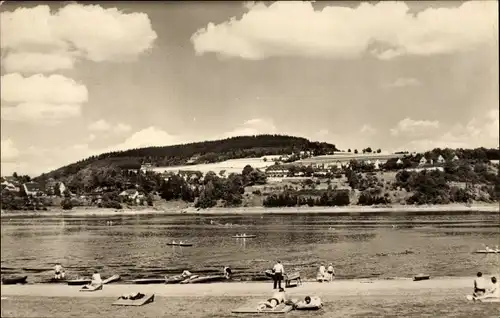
{"type": "Point", "coordinates": [355, 150]}
{"type": "Point", "coordinates": [349, 150]}
{"type": "Point", "coordinates": [379, 150]}
{"type": "Point", "coordinates": [14, 175]}
{"type": "Point", "coordinates": [369, 150]}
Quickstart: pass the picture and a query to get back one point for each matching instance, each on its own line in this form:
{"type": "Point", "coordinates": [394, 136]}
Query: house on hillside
{"type": "Point", "coordinates": [130, 194]}
{"type": "Point", "coordinates": [455, 158]}
{"type": "Point", "coordinates": [147, 167]}
{"type": "Point", "coordinates": [9, 186]}
{"type": "Point", "coordinates": [377, 164]}
{"type": "Point", "coordinates": [422, 161]}
{"type": "Point", "coordinates": [399, 162]}
{"type": "Point", "coordinates": [277, 171]}
{"type": "Point", "coordinates": [440, 159]}
{"type": "Point", "coordinates": [32, 188]}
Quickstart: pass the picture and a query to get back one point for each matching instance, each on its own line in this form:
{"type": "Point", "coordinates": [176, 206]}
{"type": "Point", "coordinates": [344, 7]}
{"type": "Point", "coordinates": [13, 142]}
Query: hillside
{"type": "Point", "coordinates": [195, 153]}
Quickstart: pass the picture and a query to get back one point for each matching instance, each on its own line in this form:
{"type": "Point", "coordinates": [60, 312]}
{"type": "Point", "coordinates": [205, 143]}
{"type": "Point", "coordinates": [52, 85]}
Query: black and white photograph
{"type": "Point", "coordinates": [250, 159]}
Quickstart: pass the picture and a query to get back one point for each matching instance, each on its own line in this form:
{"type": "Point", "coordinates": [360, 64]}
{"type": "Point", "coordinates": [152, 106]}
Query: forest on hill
{"type": "Point", "coordinates": [195, 153]}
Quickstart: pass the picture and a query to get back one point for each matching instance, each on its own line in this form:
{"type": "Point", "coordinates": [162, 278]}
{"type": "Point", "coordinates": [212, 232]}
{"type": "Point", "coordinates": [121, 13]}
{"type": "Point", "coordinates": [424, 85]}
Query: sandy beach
{"type": "Point", "coordinates": [440, 297]}
{"type": "Point", "coordinates": [349, 210]}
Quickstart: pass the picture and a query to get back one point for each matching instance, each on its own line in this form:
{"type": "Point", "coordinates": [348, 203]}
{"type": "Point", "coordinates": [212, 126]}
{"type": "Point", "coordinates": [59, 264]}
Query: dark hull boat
{"type": "Point", "coordinates": [79, 282]}
{"type": "Point", "coordinates": [244, 236]}
{"type": "Point", "coordinates": [178, 244]}
{"type": "Point", "coordinates": [204, 279]}
{"type": "Point", "coordinates": [11, 280]}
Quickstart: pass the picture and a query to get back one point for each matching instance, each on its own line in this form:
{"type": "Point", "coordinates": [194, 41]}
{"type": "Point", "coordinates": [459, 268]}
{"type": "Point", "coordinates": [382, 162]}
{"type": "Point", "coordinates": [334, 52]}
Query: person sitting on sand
{"type": "Point", "coordinates": [186, 273]}
{"type": "Point", "coordinates": [331, 272]}
{"type": "Point", "coordinates": [276, 299]}
{"type": "Point", "coordinates": [58, 271]}
{"type": "Point", "coordinates": [96, 279]}
{"type": "Point", "coordinates": [479, 285]}
{"type": "Point", "coordinates": [492, 292]}
{"type": "Point", "coordinates": [308, 301]}
{"type": "Point", "coordinates": [227, 272]}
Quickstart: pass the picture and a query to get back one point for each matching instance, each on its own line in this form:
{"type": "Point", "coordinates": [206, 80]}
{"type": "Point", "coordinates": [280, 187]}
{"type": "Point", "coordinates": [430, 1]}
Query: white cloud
{"type": "Point", "coordinates": [38, 97]}
{"type": "Point", "coordinates": [412, 127]}
{"type": "Point", "coordinates": [103, 126]}
{"type": "Point", "coordinates": [56, 89]}
{"type": "Point", "coordinates": [385, 29]}
{"type": "Point", "coordinates": [100, 125]}
{"type": "Point", "coordinates": [367, 129]}
{"type": "Point", "coordinates": [37, 62]}
{"type": "Point", "coordinates": [251, 127]}
{"type": "Point", "coordinates": [8, 151]}
{"type": "Point", "coordinates": [91, 137]}
{"type": "Point", "coordinates": [322, 133]}
{"type": "Point", "coordinates": [35, 111]}
{"type": "Point", "coordinates": [403, 82]}
{"type": "Point", "coordinates": [148, 137]}
{"type": "Point", "coordinates": [478, 132]}
{"type": "Point", "coordinates": [111, 36]}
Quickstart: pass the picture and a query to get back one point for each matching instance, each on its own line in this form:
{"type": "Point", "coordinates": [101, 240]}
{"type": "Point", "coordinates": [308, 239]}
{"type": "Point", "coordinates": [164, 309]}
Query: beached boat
{"type": "Point", "coordinates": [175, 279]}
{"type": "Point", "coordinates": [269, 273]}
{"type": "Point", "coordinates": [180, 244]}
{"type": "Point", "coordinates": [244, 236]}
{"type": "Point", "coordinates": [419, 277]}
{"type": "Point", "coordinates": [149, 281]}
{"type": "Point", "coordinates": [187, 280]}
{"type": "Point", "coordinates": [11, 280]}
{"type": "Point", "coordinates": [111, 279]}
{"type": "Point", "coordinates": [79, 281]}
{"type": "Point", "coordinates": [206, 279]}
{"type": "Point", "coordinates": [490, 251]}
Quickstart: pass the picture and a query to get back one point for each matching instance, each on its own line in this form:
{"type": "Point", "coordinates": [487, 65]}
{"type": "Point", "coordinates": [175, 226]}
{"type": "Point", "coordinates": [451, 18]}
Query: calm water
{"type": "Point", "coordinates": [359, 246]}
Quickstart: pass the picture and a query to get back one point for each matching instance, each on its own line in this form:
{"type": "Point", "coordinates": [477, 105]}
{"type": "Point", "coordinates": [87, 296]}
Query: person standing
{"type": "Point", "coordinates": [278, 271]}
{"type": "Point", "coordinates": [331, 272]}
{"type": "Point", "coordinates": [58, 271]}
{"type": "Point", "coordinates": [321, 273]}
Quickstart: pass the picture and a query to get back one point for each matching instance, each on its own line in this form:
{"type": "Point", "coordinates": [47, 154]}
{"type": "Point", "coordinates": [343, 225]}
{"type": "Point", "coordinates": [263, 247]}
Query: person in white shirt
{"type": "Point", "coordinates": [278, 271]}
{"type": "Point", "coordinates": [479, 285]}
{"type": "Point", "coordinates": [227, 272]}
{"type": "Point", "coordinates": [58, 271]}
{"type": "Point", "coordinates": [321, 273]}
{"type": "Point", "coordinates": [330, 271]}
{"type": "Point", "coordinates": [96, 279]}
{"type": "Point", "coordinates": [493, 291]}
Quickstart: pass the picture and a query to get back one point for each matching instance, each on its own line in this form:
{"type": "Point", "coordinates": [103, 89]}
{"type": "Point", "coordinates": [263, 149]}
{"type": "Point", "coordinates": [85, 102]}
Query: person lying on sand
{"type": "Point", "coordinates": [492, 292]}
{"type": "Point", "coordinates": [132, 296]}
{"type": "Point", "coordinates": [308, 301]}
{"type": "Point", "coordinates": [276, 299]}
{"type": "Point", "coordinates": [479, 285]}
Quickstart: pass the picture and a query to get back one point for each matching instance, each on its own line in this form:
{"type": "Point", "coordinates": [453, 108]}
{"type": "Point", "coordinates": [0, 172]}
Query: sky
{"type": "Point", "coordinates": [83, 79]}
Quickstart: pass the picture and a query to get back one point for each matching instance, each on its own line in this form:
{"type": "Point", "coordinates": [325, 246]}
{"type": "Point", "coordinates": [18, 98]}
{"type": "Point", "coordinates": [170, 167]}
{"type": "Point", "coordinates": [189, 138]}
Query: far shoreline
{"type": "Point", "coordinates": [393, 210]}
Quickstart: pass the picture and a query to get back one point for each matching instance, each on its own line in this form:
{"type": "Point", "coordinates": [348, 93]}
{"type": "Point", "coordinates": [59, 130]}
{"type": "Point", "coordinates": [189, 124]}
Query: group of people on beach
{"type": "Point", "coordinates": [326, 273]}
{"type": "Point", "coordinates": [482, 292]}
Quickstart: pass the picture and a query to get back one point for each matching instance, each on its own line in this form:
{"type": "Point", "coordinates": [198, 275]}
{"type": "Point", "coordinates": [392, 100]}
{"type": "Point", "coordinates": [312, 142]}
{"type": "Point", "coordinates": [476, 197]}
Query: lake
{"type": "Point", "coordinates": [358, 246]}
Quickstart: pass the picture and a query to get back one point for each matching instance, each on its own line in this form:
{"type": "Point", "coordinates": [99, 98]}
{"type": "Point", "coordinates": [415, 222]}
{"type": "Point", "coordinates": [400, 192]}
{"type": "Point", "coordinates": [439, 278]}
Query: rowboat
{"type": "Point", "coordinates": [421, 277]}
{"type": "Point", "coordinates": [79, 282]}
{"type": "Point", "coordinates": [206, 279]}
{"type": "Point", "coordinates": [111, 279]}
{"type": "Point", "coordinates": [180, 244]}
{"type": "Point", "coordinates": [269, 273]}
{"type": "Point", "coordinates": [244, 236]}
{"type": "Point", "coordinates": [11, 280]}
{"type": "Point", "coordinates": [491, 251]}
{"type": "Point", "coordinates": [175, 279]}
{"type": "Point", "coordinates": [149, 281]}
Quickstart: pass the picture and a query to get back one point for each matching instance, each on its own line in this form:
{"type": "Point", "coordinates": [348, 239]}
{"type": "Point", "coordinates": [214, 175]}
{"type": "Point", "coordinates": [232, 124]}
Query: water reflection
{"type": "Point", "coordinates": [135, 246]}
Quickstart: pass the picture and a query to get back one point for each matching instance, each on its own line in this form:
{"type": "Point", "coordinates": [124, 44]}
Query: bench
{"type": "Point", "coordinates": [293, 279]}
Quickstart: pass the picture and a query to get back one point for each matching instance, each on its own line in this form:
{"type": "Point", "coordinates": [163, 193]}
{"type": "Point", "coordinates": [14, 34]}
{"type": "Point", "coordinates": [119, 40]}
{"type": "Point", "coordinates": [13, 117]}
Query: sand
{"type": "Point", "coordinates": [394, 209]}
{"type": "Point", "coordinates": [335, 288]}
{"type": "Point", "coordinates": [442, 297]}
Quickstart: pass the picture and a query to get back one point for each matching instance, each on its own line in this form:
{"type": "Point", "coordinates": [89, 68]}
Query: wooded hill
{"type": "Point", "coordinates": [196, 153]}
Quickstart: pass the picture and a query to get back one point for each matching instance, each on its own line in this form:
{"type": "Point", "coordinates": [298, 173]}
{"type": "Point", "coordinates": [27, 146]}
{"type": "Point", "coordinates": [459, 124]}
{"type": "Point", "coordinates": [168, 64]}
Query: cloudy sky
{"type": "Point", "coordinates": [78, 80]}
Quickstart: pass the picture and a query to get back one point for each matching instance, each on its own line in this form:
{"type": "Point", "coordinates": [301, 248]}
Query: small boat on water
{"type": "Point", "coordinates": [12, 280]}
{"type": "Point", "coordinates": [244, 236]}
{"type": "Point", "coordinates": [144, 281]}
{"type": "Point", "coordinates": [488, 251]}
{"type": "Point", "coordinates": [180, 244]}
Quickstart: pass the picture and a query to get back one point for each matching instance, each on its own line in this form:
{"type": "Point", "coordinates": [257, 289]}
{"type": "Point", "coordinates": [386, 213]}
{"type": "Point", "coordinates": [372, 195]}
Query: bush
{"type": "Point", "coordinates": [66, 204]}
{"type": "Point", "coordinates": [371, 198]}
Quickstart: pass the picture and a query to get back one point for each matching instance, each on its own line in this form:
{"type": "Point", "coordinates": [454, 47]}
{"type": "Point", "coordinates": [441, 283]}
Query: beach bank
{"type": "Point", "coordinates": [441, 297]}
{"type": "Point", "coordinates": [347, 210]}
